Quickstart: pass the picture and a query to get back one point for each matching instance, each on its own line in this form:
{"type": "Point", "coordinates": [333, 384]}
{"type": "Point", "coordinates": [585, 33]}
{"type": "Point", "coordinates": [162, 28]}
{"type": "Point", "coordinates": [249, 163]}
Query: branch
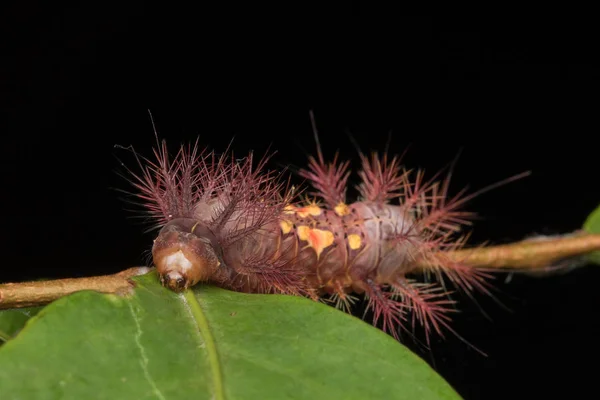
{"type": "Point", "coordinates": [529, 254]}
{"type": "Point", "coordinates": [29, 294]}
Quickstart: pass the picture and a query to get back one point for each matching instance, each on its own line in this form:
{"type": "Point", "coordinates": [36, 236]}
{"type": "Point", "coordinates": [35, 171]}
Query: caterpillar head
{"type": "Point", "coordinates": [184, 254]}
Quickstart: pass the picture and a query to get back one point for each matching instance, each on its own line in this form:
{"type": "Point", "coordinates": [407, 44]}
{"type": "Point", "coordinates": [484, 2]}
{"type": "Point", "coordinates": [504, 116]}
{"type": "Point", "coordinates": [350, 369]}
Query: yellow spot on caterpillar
{"type": "Point", "coordinates": [312, 209]}
{"type": "Point", "coordinates": [286, 226]}
{"type": "Point", "coordinates": [303, 231]}
{"type": "Point", "coordinates": [318, 239]}
{"type": "Point", "coordinates": [354, 241]}
{"type": "Point", "coordinates": [303, 212]}
{"type": "Point", "coordinates": [289, 209]}
{"type": "Point", "coordinates": [342, 209]}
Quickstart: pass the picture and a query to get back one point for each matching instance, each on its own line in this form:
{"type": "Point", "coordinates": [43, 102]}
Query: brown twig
{"type": "Point", "coordinates": [525, 255]}
{"type": "Point", "coordinates": [529, 254]}
{"type": "Point", "coordinates": [28, 294]}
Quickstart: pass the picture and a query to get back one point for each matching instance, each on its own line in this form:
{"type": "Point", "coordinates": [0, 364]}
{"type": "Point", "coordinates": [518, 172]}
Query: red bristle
{"type": "Point", "coordinates": [464, 277]}
{"type": "Point", "coordinates": [274, 276]}
{"type": "Point", "coordinates": [254, 199]}
{"type": "Point", "coordinates": [381, 180]}
{"type": "Point", "coordinates": [329, 180]}
{"type": "Point", "coordinates": [429, 304]}
{"type": "Point", "coordinates": [165, 187]}
{"type": "Point", "coordinates": [391, 312]}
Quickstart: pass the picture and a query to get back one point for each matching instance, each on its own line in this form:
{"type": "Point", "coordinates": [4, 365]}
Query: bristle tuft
{"type": "Point", "coordinates": [381, 180]}
{"type": "Point", "coordinates": [249, 197]}
{"type": "Point", "coordinates": [329, 180]}
{"type": "Point", "coordinates": [278, 276]}
{"type": "Point", "coordinates": [391, 312]}
{"type": "Point", "coordinates": [165, 186]}
{"type": "Point", "coordinates": [429, 304]}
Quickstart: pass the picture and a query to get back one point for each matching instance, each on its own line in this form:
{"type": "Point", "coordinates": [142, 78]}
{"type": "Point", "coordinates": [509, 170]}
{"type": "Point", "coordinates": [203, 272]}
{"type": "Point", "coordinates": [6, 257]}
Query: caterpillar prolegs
{"type": "Point", "coordinates": [233, 223]}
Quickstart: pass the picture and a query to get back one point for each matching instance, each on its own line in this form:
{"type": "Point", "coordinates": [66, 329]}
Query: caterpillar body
{"type": "Point", "coordinates": [234, 224]}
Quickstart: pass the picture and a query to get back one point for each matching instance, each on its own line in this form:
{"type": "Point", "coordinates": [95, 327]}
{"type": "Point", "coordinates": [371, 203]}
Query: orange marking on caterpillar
{"type": "Point", "coordinates": [318, 239]}
{"type": "Point", "coordinates": [342, 209]}
{"type": "Point", "coordinates": [354, 241]}
{"type": "Point", "coordinates": [289, 209]}
{"type": "Point", "coordinates": [286, 226]}
{"type": "Point", "coordinates": [303, 212]}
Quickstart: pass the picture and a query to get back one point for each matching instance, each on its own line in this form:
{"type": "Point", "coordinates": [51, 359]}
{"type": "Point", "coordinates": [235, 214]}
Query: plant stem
{"type": "Point", "coordinates": [526, 255]}
{"type": "Point", "coordinates": [531, 254]}
{"type": "Point", "coordinates": [29, 294]}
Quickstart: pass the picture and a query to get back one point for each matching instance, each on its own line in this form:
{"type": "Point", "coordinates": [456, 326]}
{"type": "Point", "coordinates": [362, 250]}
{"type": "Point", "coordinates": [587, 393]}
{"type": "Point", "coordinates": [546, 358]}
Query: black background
{"type": "Point", "coordinates": [513, 94]}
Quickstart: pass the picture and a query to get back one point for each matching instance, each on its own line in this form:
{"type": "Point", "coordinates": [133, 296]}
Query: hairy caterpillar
{"type": "Point", "coordinates": [232, 223]}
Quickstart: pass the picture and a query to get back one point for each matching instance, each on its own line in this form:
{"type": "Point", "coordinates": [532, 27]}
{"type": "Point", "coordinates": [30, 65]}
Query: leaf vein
{"type": "Point", "coordinates": [143, 356]}
{"type": "Point", "coordinates": [193, 306]}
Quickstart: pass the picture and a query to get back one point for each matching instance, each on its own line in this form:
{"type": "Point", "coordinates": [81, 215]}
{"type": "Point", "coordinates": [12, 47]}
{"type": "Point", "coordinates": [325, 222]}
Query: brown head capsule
{"type": "Point", "coordinates": [185, 253]}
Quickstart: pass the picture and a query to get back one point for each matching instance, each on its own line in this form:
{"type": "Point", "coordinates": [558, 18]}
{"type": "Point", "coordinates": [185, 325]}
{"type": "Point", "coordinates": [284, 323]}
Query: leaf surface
{"type": "Point", "coordinates": [208, 343]}
{"type": "Point", "coordinates": [12, 321]}
{"type": "Point", "coordinates": [592, 225]}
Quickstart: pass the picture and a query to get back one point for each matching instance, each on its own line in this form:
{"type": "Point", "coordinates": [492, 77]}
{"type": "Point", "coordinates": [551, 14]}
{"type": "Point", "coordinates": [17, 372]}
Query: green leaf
{"type": "Point", "coordinates": [592, 225]}
{"type": "Point", "coordinates": [12, 321]}
{"type": "Point", "coordinates": [208, 343]}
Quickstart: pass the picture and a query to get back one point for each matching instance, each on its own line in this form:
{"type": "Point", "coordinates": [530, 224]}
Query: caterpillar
{"type": "Point", "coordinates": [232, 222]}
